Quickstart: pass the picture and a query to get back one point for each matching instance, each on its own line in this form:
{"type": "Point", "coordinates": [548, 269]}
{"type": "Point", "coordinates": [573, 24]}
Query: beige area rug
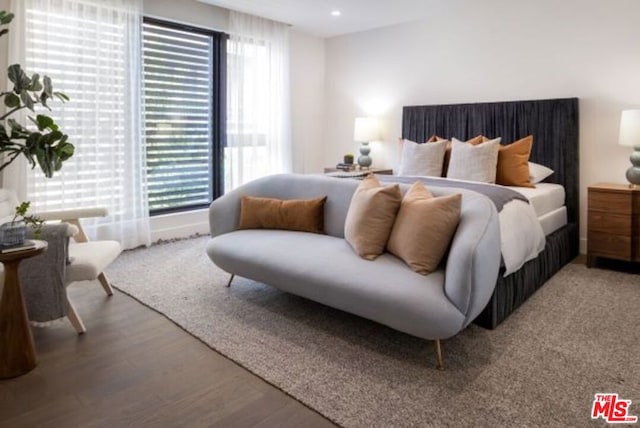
{"type": "Point", "coordinates": [579, 335]}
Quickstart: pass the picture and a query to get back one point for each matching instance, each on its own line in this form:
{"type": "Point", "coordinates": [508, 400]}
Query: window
{"type": "Point", "coordinates": [246, 155]}
{"type": "Point", "coordinates": [258, 138]}
{"type": "Point", "coordinates": [183, 89]}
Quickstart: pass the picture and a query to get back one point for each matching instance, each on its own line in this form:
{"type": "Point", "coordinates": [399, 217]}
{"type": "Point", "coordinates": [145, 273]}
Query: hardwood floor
{"type": "Point", "coordinates": [134, 367]}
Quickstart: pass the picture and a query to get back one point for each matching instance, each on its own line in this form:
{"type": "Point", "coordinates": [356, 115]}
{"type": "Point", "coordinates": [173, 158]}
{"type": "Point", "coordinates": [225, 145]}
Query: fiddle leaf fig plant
{"type": "Point", "coordinates": [47, 147]}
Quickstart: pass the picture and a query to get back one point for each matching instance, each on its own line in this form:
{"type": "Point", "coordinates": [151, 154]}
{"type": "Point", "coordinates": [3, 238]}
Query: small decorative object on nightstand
{"type": "Point", "coordinates": [630, 136]}
{"type": "Point", "coordinates": [613, 223]}
{"type": "Point", "coordinates": [366, 129]}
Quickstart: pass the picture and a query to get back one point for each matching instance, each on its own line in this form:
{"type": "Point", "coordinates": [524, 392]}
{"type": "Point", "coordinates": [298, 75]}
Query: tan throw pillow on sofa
{"type": "Point", "coordinates": [424, 228]}
{"type": "Point", "coordinates": [303, 215]}
{"type": "Point", "coordinates": [513, 163]}
{"type": "Point", "coordinates": [370, 217]}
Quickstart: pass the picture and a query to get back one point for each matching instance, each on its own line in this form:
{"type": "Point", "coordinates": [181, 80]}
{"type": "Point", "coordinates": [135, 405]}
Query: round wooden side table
{"type": "Point", "coordinates": [17, 351]}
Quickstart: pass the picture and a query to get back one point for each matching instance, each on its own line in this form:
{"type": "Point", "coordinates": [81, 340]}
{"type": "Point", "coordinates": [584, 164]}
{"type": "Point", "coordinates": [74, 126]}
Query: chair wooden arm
{"type": "Point", "coordinates": [74, 214]}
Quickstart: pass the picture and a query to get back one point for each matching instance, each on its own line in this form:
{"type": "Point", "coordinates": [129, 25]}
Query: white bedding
{"type": "Point", "coordinates": [544, 198]}
{"type": "Point", "coordinates": [521, 235]}
{"type": "Point", "coordinates": [553, 220]}
{"type": "Point", "coordinates": [524, 227]}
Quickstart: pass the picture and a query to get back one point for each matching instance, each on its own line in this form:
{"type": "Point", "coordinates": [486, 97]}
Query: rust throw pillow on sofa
{"type": "Point", "coordinates": [370, 217]}
{"type": "Point", "coordinates": [424, 228]}
{"type": "Point", "coordinates": [303, 215]}
{"type": "Point", "coordinates": [513, 163]}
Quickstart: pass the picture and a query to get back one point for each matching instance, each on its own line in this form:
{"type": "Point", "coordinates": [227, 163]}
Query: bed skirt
{"type": "Point", "coordinates": [511, 291]}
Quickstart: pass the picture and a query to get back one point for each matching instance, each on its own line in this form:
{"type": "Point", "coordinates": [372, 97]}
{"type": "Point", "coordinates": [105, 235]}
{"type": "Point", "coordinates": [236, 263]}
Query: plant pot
{"type": "Point", "coordinates": [13, 233]}
{"type": "Point", "coordinates": [348, 159]}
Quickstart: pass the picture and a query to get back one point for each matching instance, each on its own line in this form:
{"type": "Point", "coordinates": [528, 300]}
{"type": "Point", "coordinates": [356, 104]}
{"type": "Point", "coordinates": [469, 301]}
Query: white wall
{"type": "Point", "coordinates": [307, 101]}
{"type": "Point", "coordinates": [493, 50]}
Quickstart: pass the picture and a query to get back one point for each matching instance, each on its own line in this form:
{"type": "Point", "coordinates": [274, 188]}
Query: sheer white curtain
{"type": "Point", "coordinates": [258, 116]}
{"type": "Point", "coordinates": [92, 51]}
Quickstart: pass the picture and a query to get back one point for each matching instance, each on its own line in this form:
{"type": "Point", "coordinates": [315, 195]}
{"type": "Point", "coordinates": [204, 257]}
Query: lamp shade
{"type": "Point", "coordinates": [366, 129]}
{"type": "Point", "coordinates": [630, 128]}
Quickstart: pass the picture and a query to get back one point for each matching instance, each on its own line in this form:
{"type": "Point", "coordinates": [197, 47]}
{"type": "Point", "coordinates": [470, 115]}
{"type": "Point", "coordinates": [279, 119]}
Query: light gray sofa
{"type": "Point", "coordinates": [324, 268]}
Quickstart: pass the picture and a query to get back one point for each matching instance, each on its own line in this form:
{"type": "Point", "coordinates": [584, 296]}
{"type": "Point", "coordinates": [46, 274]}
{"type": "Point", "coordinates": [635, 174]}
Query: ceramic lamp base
{"type": "Point", "coordinates": [633, 173]}
{"type": "Point", "coordinates": [364, 160]}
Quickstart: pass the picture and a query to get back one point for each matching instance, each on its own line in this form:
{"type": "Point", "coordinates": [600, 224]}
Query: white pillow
{"type": "Point", "coordinates": [537, 173]}
{"type": "Point", "coordinates": [422, 159]}
{"type": "Point", "coordinates": [474, 163]}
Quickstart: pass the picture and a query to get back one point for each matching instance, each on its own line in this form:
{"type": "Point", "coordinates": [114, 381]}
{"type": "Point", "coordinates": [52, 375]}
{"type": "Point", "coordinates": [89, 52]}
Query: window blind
{"type": "Point", "coordinates": [178, 91]}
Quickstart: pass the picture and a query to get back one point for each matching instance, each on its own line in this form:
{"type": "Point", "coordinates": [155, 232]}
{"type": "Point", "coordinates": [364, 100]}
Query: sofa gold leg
{"type": "Point", "coordinates": [439, 363]}
{"type": "Point", "coordinates": [230, 280]}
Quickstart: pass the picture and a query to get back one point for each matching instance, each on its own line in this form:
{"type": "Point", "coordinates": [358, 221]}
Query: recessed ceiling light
{"type": "Point", "coordinates": [336, 12]}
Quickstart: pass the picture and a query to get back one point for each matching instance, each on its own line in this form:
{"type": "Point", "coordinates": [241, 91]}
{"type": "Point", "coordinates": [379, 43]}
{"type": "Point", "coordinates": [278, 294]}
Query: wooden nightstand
{"type": "Point", "coordinates": [382, 171]}
{"type": "Point", "coordinates": [613, 223]}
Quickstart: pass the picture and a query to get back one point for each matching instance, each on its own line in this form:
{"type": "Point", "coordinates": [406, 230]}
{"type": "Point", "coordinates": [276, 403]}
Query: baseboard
{"type": "Point", "coordinates": [179, 225]}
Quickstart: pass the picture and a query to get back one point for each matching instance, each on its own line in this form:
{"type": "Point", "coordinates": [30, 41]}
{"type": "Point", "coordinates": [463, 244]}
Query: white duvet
{"type": "Point", "coordinates": [521, 235]}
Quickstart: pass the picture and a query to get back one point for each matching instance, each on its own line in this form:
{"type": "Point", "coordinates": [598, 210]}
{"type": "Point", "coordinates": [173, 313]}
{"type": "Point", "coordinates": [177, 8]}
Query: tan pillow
{"type": "Point", "coordinates": [424, 228]}
{"type": "Point", "coordinates": [303, 215]}
{"type": "Point", "coordinates": [513, 163]}
{"type": "Point", "coordinates": [370, 217]}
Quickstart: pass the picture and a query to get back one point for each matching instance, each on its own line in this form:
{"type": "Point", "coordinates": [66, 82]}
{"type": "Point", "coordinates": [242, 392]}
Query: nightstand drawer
{"type": "Point", "coordinates": [608, 245]}
{"type": "Point", "coordinates": [615, 203]}
{"type": "Point", "coordinates": [600, 221]}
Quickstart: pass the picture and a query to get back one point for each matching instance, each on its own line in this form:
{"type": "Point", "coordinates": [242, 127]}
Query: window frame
{"type": "Point", "coordinates": [218, 109]}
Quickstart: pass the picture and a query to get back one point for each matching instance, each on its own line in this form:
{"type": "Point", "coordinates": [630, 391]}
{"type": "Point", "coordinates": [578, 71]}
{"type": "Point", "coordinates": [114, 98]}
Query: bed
{"type": "Point", "coordinates": [554, 126]}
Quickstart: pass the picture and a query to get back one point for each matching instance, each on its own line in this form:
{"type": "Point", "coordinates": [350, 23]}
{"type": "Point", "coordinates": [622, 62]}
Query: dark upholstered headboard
{"type": "Point", "coordinates": [553, 124]}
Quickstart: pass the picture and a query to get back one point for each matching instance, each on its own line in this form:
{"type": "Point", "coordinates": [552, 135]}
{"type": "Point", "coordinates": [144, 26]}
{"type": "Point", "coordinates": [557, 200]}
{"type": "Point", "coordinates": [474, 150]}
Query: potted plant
{"type": "Point", "coordinates": [46, 146]}
{"type": "Point", "coordinates": [15, 231]}
{"type": "Point", "coordinates": [348, 159]}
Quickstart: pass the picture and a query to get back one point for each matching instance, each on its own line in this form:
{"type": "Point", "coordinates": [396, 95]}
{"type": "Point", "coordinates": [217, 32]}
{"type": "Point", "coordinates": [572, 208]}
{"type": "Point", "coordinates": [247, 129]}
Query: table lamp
{"type": "Point", "coordinates": [366, 129]}
{"type": "Point", "coordinates": [630, 136]}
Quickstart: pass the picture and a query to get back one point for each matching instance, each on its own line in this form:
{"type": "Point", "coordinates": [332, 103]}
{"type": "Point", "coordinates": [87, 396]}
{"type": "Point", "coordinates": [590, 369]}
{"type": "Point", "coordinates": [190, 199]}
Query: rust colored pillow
{"type": "Point", "coordinates": [303, 215]}
{"type": "Point", "coordinates": [370, 217]}
{"type": "Point", "coordinates": [424, 228]}
{"type": "Point", "coordinates": [447, 154]}
{"type": "Point", "coordinates": [434, 139]}
{"type": "Point", "coordinates": [513, 163]}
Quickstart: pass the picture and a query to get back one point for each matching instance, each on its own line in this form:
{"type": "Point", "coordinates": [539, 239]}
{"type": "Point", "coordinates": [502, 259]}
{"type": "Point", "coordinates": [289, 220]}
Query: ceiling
{"type": "Point", "coordinates": [314, 16]}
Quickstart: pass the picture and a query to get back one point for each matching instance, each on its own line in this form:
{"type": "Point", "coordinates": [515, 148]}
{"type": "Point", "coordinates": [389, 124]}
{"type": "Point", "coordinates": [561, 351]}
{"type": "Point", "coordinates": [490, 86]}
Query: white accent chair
{"type": "Point", "coordinates": [88, 258]}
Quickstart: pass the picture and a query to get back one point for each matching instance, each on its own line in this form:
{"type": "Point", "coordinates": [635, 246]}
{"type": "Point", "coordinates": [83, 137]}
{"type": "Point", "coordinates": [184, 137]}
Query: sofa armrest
{"type": "Point", "coordinates": [474, 258]}
{"type": "Point", "coordinates": [224, 213]}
